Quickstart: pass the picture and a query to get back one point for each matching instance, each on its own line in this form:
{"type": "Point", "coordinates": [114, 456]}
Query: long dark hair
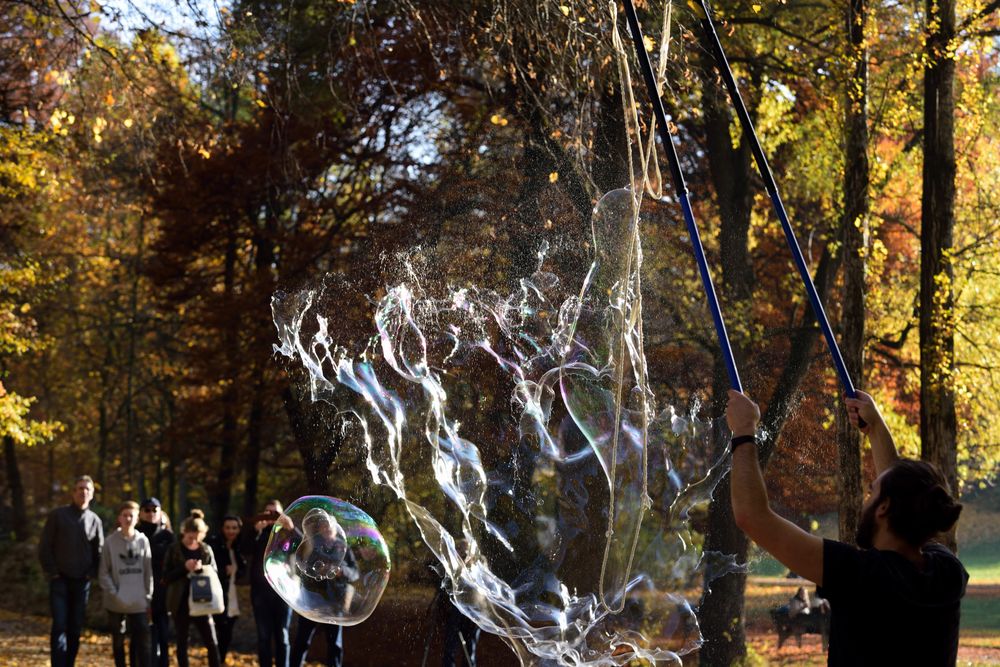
{"type": "Point", "coordinates": [229, 517]}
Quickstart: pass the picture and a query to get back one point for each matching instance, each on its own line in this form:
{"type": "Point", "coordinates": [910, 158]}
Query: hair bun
{"type": "Point", "coordinates": [948, 516]}
{"type": "Point", "coordinates": [197, 514]}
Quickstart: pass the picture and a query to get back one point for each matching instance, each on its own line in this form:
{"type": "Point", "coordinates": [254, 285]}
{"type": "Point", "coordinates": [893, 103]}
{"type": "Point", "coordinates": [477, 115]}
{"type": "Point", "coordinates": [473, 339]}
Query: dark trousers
{"type": "Point", "coordinates": [160, 636]}
{"type": "Point", "coordinates": [135, 627]}
{"type": "Point", "coordinates": [460, 637]}
{"type": "Point", "coordinates": [224, 630]}
{"type": "Point", "coordinates": [68, 601]}
{"type": "Point", "coordinates": [182, 624]}
{"type": "Point", "coordinates": [272, 616]}
{"type": "Point", "coordinates": [304, 636]}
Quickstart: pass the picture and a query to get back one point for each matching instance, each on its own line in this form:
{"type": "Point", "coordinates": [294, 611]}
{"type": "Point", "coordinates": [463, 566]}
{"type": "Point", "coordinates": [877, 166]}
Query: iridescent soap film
{"type": "Point", "coordinates": [520, 430]}
{"type": "Point", "coordinates": [327, 559]}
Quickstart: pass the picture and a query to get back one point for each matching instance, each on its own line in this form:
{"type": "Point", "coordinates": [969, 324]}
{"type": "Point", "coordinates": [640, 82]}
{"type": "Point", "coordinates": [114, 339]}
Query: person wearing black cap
{"type": "Point", "coordinates": [153, 524]}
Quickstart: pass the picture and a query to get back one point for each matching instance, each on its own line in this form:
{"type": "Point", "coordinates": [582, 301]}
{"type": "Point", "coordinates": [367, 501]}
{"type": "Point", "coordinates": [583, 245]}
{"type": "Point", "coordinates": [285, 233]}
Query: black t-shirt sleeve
{"type": "Point", "coordinates": [843, 570]}
{"type": "Point", "coordinates": [945, 561]}
{"type": "Point", "coordinates": [940, 550]}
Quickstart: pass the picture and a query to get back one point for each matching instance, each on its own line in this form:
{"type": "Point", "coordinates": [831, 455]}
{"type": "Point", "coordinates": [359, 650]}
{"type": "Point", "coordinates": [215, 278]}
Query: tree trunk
{"type": "Point", "coordinates": [183, 504]}
{"type": "Point", "coordinates": [721, 610]}
{"type": "Point", "coordinates": [134, 474]}
{"type": "Point", "coordinates": [231, 354]}
{"type": "Point", "coordinates": [103, 433]}
{"type": "Point", "coordinates": [172, 458]}
{"type": "Point", "coordinates": [938, 423]}
{"type": "Point", "coordinates": [50, 491]}
{"type": "Point", "coordinates": [251, 467]}
{"type": "Point", "coordinates": [318, 435]}
{"type": "Point", "coordinates": [610, 168]}
{"type": "Point", "coordinates": [22, 527]}
{"type": "Point", "coordinates": [171, 507]}
{"type": "Point", "coordinates": [854, 227]}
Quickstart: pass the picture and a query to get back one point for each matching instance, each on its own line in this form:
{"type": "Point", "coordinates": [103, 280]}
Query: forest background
{"type": "Point", "coordinates": [165, 168]}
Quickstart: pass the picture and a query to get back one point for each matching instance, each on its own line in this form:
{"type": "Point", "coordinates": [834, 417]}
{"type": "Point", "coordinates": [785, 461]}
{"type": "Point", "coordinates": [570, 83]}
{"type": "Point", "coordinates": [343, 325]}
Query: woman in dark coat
{"type": "Point", "coordinates": [232, 567]}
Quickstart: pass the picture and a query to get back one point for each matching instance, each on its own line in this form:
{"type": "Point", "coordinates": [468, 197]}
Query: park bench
{"type": "Point", "coordinates": [816, 622]}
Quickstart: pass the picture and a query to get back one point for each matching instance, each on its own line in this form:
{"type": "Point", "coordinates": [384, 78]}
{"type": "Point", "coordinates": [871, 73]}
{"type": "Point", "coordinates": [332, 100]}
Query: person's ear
{"type": "Point", "coordinates": [883, 509]}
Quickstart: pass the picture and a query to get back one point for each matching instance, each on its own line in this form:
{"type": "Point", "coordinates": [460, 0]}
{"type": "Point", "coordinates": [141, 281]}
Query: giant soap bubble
{"type": "Point", "coordinates": [561, 518]}
{"type": "Point", "coordinates": [327, 559]}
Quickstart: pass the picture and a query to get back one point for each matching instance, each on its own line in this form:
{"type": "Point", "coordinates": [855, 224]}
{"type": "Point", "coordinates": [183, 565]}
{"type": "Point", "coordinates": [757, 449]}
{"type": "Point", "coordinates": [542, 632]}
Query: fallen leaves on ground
{"type": "Point", "coordinates": [24, 642]}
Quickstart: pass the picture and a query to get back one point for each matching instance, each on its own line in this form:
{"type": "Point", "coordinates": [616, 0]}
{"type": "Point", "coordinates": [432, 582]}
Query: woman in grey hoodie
{"type": "Point", "coordinates": [126, 577]}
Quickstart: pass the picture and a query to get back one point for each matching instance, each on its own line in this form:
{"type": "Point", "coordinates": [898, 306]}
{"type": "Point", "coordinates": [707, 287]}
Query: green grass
{"type": "Point", "coordinates": [765, 566]}
{"type": "Point", "coordinates": [980, 613]}
{"type": "Point", "coordinates": [982, 562]}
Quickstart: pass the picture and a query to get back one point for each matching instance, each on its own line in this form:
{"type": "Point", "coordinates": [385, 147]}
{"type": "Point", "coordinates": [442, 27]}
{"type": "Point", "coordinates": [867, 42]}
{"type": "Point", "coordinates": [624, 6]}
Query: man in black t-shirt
{"type": "Point", "coordinates": [893, 601]}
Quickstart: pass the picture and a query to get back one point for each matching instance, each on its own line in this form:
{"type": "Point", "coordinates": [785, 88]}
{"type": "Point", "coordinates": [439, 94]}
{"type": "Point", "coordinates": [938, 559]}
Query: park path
{"type": "Point", "coordinates": [24, 642]}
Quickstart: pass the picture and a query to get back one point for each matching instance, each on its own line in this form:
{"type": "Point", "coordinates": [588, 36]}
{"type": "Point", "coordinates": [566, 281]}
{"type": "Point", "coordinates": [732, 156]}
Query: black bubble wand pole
{"type": "Point", "coordinates": [680, 188]}
{"type": "Point", "coordinates": [722, 64]}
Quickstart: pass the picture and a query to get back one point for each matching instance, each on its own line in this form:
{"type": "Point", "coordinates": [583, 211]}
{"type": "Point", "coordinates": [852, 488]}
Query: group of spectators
{"type": "Point", "coordinates": [143, 571]}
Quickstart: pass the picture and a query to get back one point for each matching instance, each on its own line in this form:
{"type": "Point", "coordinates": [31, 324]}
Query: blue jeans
{"type": "Point", "coordinates": [304, 637]}
{"type": "Point", "coordinates": [272, 617]}
{"type": "Point", "coordinates": [68, 600]}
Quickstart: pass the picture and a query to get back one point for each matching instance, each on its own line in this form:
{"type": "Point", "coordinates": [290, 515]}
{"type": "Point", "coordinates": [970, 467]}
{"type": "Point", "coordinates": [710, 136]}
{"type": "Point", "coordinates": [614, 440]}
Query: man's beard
{"type": "Point", "coordinates": [865, 536]}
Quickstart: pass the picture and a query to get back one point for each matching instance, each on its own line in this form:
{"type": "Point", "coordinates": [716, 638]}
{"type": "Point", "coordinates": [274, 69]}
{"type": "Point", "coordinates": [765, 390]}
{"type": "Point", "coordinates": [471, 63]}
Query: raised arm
{"type": "Point", "coordinates": [883, 446]}
{"type": "Point", "coordinates": [799, 551]}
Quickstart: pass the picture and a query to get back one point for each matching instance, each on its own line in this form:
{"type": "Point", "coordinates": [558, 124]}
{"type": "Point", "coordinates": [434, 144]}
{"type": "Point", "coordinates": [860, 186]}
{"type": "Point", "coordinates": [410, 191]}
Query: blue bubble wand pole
{"type": "Point", "coordinates": [722, 63]}
{"type": "Point", "coordinates": [681, 190]}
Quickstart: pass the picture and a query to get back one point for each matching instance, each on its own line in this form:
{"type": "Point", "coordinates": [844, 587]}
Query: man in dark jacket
{"type": "Point", "coordinates": [70, 552]}
{"type": "Point", "coordinates": [153, 526]}
{"type": "Point", "coordinates": [893, 601]}
{"type": "Point", "coordinates": [271, 614]}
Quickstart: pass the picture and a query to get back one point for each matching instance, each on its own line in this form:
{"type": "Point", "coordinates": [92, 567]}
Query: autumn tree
{"type": "Point", "coordinates": [30, 84]}
{"type": "Point", "coordinates": [938, 417]}
{"type": "Point", "coordinates": [855, 228]}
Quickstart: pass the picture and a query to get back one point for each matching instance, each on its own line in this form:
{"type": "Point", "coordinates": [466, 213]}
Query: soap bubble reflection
{"type": "Point", "coordinates": [327, 559]}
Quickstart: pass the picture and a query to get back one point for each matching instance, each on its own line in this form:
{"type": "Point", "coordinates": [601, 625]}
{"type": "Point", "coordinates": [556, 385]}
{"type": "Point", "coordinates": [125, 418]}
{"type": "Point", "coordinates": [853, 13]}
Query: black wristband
{"type": "Point", "coordinates": [741, 440]}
